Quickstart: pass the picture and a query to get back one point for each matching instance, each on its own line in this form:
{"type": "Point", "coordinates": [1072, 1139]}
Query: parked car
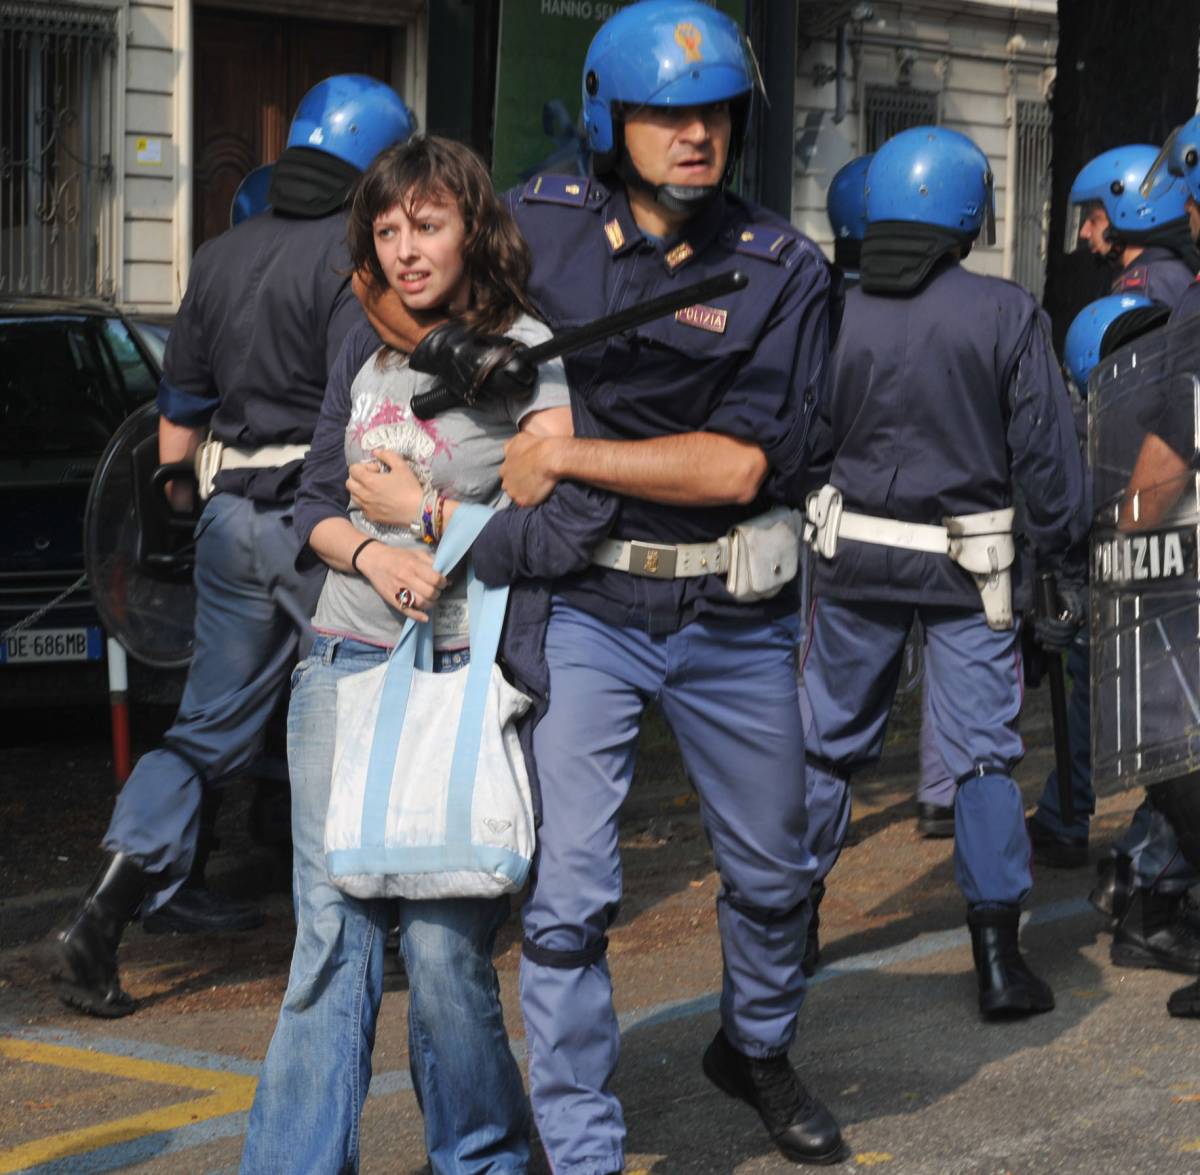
{"type": "Point", "coordinates": [70, 373]}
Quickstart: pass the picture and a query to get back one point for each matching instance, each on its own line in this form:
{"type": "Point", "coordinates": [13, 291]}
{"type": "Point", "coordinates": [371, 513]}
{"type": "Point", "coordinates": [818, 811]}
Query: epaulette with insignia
{"type": "Point", "coordinates": [557, 189]}
{"type": "Point", "coordinates": [763, 240]}
{"type": "Point", "coordinates": [1135, 279]}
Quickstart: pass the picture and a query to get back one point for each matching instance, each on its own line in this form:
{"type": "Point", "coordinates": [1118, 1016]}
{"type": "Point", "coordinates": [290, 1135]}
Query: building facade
{"type": "Point", "coordinates": [126, 125]}
{"type": "Point", "coordinates": [983, 67]}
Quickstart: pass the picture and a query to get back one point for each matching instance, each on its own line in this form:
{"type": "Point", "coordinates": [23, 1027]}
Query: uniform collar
{"type": "Point", "coordinates": [675, 252]}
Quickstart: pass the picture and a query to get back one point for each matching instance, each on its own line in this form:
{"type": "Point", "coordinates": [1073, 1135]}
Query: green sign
{"type": "Point", "coordinates": [538, 84]}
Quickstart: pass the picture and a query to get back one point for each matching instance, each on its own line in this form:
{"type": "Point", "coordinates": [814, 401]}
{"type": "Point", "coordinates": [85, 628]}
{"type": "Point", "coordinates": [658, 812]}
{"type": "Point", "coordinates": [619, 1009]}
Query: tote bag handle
{"type": "Point", "coordinates": [415, 649]}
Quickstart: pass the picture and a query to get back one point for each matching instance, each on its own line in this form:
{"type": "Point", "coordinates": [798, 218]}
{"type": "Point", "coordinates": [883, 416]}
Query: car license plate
{"type": "Point", "coordinates": [52, 644]}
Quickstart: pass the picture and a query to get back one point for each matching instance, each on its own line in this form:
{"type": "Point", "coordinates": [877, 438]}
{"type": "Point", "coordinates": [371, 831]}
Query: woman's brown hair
{"type": "Point", "coordinates": [430, 169]}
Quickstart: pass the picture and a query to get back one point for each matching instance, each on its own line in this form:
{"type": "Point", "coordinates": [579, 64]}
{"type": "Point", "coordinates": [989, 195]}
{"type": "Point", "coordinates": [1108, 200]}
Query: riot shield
{"type": "Point", "coordinates": [137, 555]}
{"type": "Point", "coordinates": [1144, 451]}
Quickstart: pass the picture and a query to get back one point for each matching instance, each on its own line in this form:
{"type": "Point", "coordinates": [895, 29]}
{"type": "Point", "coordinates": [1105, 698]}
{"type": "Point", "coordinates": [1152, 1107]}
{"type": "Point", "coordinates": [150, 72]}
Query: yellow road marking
{"type": "Point", "coordinates": [872, 1158]}
{"type": "Point", "coordinates": [228, 1093]}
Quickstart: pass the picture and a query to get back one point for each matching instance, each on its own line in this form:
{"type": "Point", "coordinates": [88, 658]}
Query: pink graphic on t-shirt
{"type": "Point", "coordinates": [390, 412]}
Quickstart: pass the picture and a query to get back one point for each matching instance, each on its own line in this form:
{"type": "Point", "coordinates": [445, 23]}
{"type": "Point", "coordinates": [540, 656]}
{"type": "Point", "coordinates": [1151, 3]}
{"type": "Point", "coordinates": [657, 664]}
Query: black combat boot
{"type": "Point", "coordinates": [812, 940]}
{"type": "Point", "coordinates": [799, 1125]}
{"type": "Point", "coordinates": [84, 956]}
{"type": "Point", "coordinates": [935, 821]}
{"type": "Point", "coordinates": [1186, 1001]}
{"type": "Point", "coordinates": [1114, 887]}
{"type": "Point", "coordinates": [193, 908]}
{"type": "Point", "coordinates": [1054, 851]}
{"type": "Point", "coordinates": [1007, 987]}
{"type": "Point", "coordinates": [1153, 933]}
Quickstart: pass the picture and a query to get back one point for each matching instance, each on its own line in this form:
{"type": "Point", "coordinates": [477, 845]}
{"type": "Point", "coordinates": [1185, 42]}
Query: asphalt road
{"type": "Point", "coordinates": [890, 1036]}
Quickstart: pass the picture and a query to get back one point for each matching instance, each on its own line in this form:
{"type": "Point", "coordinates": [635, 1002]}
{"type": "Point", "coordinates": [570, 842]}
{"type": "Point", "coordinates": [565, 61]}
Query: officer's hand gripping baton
{"type": "Point", "coordinates": [1047, 605]}
{"type": "Point", "coordinates": [439, 399]}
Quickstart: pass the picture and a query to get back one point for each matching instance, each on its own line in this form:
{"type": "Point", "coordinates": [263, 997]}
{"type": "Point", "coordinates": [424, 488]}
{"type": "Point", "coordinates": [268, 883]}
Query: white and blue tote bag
{"type": "Point", "coordinates": [430, 794]}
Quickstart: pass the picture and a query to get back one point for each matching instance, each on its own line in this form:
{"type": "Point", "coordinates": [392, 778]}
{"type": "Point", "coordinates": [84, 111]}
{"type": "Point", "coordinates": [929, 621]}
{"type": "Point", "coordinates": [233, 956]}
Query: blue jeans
{"type": "Point", "coordinates": [314, 1081]}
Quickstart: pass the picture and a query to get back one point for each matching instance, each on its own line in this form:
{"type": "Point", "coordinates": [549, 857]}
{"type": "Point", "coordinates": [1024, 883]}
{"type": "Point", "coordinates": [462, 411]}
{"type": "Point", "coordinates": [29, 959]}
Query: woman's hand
{"type": "Point", "coordinates": [395, 571]}
{"type": "Point", "coordinates": [389, 493]}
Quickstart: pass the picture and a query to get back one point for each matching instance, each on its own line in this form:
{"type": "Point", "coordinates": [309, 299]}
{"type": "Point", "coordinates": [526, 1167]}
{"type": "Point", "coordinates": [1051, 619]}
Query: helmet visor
{"type": "Point", "coordinates": [1077, 215]}
{"type": "Point", "coordinates": [1164, 170]}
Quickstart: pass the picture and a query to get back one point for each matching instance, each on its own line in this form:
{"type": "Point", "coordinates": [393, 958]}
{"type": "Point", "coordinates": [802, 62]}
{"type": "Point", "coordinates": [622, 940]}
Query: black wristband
{"type": "Point", "coordinates": [358, 551]}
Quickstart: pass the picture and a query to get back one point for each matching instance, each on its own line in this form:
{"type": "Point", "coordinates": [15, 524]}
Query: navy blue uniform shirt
{"type": "Point", "coordinates": [940, 402]}
{"type": "Point", "coordinates": [1156, 273]}
{"type": "Point", "coordinates": [1188, 305]}
{"type": "Point", "coordinates": [267, 307]}
{"type": "Point", "coordinates": [750, 365]}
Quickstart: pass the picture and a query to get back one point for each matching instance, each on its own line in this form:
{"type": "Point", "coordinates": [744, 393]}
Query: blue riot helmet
{"type": "Point", "coordinates": [846, 200]}
{"type": "Point", "coordinates": [846, 205]}
{"type": "Point", "coordinates": [1114, 181]}
{"type": "Point", "coordinates": [673, 53]}
{"type": "Point", "coordinates": [1103, 326]}
{"type": "Point", "coordinates": [933, 176]}
{"type": "Point", "coordinates": [251, 197]}
{"type": "Point", "coordinates": [351, 117]}
{"type": "Point", "coordinates": [1179, 159]}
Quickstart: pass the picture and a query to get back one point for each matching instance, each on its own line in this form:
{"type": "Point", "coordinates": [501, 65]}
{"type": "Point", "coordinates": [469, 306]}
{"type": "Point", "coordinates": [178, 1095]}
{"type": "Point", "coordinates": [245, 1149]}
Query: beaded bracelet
{"type": "Point", "coordinates": [428, 506]}
{"type": "Point", "coordinates": [439, 517]}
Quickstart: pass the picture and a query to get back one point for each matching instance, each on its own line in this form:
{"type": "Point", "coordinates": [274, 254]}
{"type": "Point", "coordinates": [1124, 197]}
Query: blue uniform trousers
{"type": "Point", "coordinates": [1079, 737]}
{"type": "Point", "coordinates": [250, 602]}
{"type": "Point", "coordinates": [1149, 841]}
{"type": "Point", "coordinates": [973, 686]}
{"type": "Point", "coordinates": [936, 785]}
{"type": "Point", "coordinates": [729, 694]}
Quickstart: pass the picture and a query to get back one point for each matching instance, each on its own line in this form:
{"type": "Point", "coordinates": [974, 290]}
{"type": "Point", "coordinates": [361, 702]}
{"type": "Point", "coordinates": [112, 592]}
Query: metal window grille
{"type": "Point", "coordinates": [57, 118]}
{"type": "Point", "coordinates": [1032, 210]}
{"type": "Point", "coordinates": [890, 109]}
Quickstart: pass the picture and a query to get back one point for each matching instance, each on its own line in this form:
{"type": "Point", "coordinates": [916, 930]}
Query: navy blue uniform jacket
{"type": "Point", "coordinates": [750, 365]}
{"type": "Point", "coordinates": [267, 307]}
{"type": "Point", "coordinates": [1156, 273]}
{"type": "Point", "coordinates": [948, 401]}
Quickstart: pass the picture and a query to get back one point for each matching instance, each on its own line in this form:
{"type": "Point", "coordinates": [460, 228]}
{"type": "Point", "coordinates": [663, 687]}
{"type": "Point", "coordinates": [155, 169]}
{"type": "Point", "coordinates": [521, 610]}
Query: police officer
{"type": "Point", "coordinates": [1145, 238]}
{"type": "Point", "coordinates": [945, 398]}
{"type": "Point", "coordinates": [846, 207]}
{"type": "Point", "coordinates": [697, 424]}
{"type": "Point", "coordinates": [266, 308]}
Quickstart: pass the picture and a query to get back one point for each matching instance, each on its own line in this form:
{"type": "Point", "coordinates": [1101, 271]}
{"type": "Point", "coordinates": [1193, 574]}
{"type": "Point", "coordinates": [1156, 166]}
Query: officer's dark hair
{"type": "Point", "coordinates": [429, 169]}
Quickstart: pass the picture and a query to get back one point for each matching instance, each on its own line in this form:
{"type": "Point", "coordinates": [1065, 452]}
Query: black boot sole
{"type": "Point", "coordinates": [1126, 954]}
{"type": "Point", "coordinates": [159, 923]}
{"type": "Point", "coordinates": [76, 995]}
{"type": "Point", "coordinates": [826, 1159]}
{"type": "Point", "coordinates": [1013, 1005]}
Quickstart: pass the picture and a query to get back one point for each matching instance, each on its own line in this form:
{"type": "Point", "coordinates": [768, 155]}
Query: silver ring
{"type": "Point", "coordinates": [406, 598]}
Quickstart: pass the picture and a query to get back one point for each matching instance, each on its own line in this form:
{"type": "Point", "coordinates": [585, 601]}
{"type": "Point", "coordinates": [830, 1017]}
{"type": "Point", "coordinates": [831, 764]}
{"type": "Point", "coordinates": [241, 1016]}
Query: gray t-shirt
{"type": "Point", "coordinates": [457, 453]}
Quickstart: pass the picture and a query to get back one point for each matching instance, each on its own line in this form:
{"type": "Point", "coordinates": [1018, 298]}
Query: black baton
{"type": "Point", "coordinates": [1047, 606]}
{"type": "Point", "coordinates": [437, 400]}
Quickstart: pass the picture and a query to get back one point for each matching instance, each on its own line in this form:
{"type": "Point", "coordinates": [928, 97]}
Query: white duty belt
{"type": "Point", "coordinates": [981, 544]}
{"type": "Point", "coordinates": [213, 456]}
{"type": "Point", "coordinates": [757, 557]}
{"type": "Point", "coordinates": [664, 560]}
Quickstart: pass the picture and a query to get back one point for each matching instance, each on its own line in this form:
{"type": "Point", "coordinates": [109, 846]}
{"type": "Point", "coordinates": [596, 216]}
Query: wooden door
{"type": "Point", "coordinates": [251, 72]}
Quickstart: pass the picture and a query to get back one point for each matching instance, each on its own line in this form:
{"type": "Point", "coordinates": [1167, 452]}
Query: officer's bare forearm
{"type": "Point", "coordinates": [177, 442]}
{"type": "Point", "coordinates": [692, 469]}
{"type": "Point", "coordinates": [1154, 486]}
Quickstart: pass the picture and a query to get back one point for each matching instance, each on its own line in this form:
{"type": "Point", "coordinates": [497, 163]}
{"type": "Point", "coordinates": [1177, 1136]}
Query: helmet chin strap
{"type": "Point", "coordinates": [684, 198]}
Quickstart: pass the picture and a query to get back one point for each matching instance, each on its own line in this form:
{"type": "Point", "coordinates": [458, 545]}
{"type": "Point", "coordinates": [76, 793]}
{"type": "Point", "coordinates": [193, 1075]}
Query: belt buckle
{"type": "Point", "coordinates": [654, 560]}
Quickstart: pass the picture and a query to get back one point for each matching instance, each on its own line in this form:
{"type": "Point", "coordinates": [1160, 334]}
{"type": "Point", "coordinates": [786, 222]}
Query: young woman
{"type": "Point", "coordinates": [426, 222]}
